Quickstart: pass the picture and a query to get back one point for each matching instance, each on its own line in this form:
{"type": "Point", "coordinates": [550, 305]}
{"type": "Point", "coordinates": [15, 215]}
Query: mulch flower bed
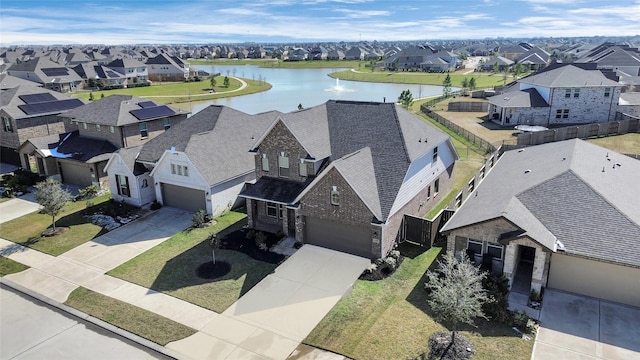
{"type": "Point", "coordinates": [382, 271]}
{"type": "Point", "coordinates": [239, 241]}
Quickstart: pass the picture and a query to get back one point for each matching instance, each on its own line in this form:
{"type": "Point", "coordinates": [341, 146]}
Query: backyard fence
{"type": "Point", "coordinates": [628, 125]}
{"type": "Point", "coordinates": [469, 106]}
{"type": "Point", "coordinates": [481, 143]}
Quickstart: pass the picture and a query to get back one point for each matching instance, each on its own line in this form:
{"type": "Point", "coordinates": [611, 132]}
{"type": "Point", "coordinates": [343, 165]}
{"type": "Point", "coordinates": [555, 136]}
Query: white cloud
{"type": "Point", "coordinates": [362, 14]}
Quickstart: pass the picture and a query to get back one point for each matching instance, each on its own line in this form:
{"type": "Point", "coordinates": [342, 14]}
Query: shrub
{"type": "Point", "coordinates": [261, 240]}
{"type": "Point", "coordinates": [391, 262]}
{"type": "Point", "coordinates": [394, 254]}
{"type": "Point", "coordinates": [155, 205]}
{"type": "Point", "coordinates": [498, 289]}
{"type": "Point", "coordinates": [534, 296]}
{"type": "Point", "coordinates": [522, 321]}
{"type": "Point", "coordinates": [200, 219]}
{"type": "Point", "coordinates": [87, 192]}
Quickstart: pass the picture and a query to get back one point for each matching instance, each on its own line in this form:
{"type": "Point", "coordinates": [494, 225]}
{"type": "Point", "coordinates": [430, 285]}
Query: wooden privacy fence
{"type": "Point", "coordinates": [469, 106]}
{"type": "Point", "coordinates": [581, 131]}
{"type": "Point", "coordinates": [424, 232]}
{"type": "Point", "coordinates": [476, 140]}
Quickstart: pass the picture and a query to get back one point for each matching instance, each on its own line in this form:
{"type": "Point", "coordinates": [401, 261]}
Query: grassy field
{"type": "Point", "coordinates": [187, 91]}
{"type": "Point", "coordinates": [483, 80]}
{"type": "Point", "coordinates": [141, 322]}
{"type": "Point", "coordinates": [624, 144]}
{"type": "Point", "coordinates": [390, 319]}
{"type": "Point", "coordinates": [26, 230]}
{"type": "Point", "coordinates": [170, 267]}
{"type": "Point", "coordinates": [314, 64]}
{"type": "Point", "coordinates": [8, 266]}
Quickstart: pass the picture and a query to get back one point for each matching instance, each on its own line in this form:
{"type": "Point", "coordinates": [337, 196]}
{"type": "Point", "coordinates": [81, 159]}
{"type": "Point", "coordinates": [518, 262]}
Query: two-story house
{"type": "Point", "coordinates": [167, 68]}
{"type": "Point", "coordinates": [343, 174]}
{"type": "Point", "coordinates": [135, 71]}
{"type": "Point", "coordinates": [562, 95]}
{"type": "Point", "coordinates": [51, 75]}
{"type": "Point", "coordinates": [98, 129]}
{"type": "Point", "coordinates": [29, 111]}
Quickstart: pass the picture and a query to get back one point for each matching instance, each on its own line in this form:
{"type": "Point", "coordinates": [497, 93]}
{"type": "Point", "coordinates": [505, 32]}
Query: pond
{"type": "Point", "coordinates": [308, 87]}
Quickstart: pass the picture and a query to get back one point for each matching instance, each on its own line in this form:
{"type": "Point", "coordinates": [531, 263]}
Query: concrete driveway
{"type": "Point", "coordinates": [33, 330]}
{"type": "Point", "coordinates": [579, 327]}
{"type": "Point", "coordinates": [126, 242]}
{"type": "Point", "coordinates": [271, 319]}
{"type": "Point", "coordinates": [15, 208]}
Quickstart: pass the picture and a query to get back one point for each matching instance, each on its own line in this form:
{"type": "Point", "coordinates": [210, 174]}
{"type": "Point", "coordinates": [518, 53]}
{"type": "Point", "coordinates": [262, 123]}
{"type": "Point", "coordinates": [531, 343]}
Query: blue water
{"type": "Point", "coordinates": [309, 87]}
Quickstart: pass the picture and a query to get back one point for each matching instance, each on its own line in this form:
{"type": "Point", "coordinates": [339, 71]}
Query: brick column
{"type": "Point", "coordinates": [250, 214]}
{"type": "Point", "coordinates": [510, 258]}
{"type": "Point", "coordinates": [538, 275]}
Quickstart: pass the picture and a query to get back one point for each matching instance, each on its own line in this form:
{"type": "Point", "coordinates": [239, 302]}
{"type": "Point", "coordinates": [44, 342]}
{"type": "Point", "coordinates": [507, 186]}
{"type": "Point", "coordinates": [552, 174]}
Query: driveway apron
{"type": "Point", "coordinates": [580, 327]}
{"type": "Point", "coordinates": [17, 207]}
{"type": "Point", "coordinates": [272, 318]}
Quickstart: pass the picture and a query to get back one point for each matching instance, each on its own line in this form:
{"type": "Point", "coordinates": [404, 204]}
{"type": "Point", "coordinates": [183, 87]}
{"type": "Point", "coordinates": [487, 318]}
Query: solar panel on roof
{"type": "Point", "coordinates": [50, 106]}
{"type": "Point", "coordinates": [113, 73]}
{"type": "Point", "coordinates": [37, 98]}
{"type": "Point", "coordinates": [152, 112]}
{"type": "Point", "coordinates": [59, 71]}
{"type": "Point", "coordinates": [147, 104]}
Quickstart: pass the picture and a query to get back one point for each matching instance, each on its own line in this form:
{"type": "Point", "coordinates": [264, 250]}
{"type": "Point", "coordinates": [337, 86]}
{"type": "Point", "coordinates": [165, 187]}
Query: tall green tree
{"type": "Point", "coordinates": [496, 67]}
{"type": "Point", "coordinates": [212, 81]}
{"type": "Point", "coordinates": [456, 292]}
{"type": "Point", "coordinates": [225, 82]}
{"type": "Point", "coordinates": [446, 86]}
{"type": "Point", "coordinates": [405, 99]}
{"type": "Point", "coordinates": [472, 84]}
{"type": "Point", "coordinates": [52, 197]}
{"type": "Point", "coordinates": [465, 85]}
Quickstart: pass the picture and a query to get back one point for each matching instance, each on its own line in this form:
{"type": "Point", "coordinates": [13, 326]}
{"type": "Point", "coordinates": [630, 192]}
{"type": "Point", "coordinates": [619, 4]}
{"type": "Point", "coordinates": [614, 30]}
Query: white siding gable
{"type": "Point", "coordinates": [162, 173]}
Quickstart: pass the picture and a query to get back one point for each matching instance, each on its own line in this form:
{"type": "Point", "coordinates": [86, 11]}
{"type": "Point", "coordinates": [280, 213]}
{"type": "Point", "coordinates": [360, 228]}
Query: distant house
{"type": "Point", "coordinates": [134, 71]}
{"type": "Point", "coordinates": [563, 95]}
{"type": "Point", "coordinates": [167, 68]}
{"type": "Point", "coordinates": [203, 163]}
{"type": "Point", "coordinates": [409, 58]}
{"type": "Point", "coordinates": [355, 53]}
{"type": "Point", "coordinates": [298, 55]}
{"type": "Point", "coordinates": [335, 54]}
{"type": "Point", "coordinates": [46, 72]}
{"type": "Point", "coordinates": [343, 175]}
{"type": "Point", "coordinates": [562, 215]}
{"type": "Point", "coordinates": [489, 65]}
{"type": "Point", "coordinates": [96, 76]}
{"type": "Point", "coordinates": [29, 111]}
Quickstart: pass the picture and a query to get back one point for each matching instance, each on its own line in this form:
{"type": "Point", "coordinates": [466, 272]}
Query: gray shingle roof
{"type": "Point", "coordinates": [358, 170]}
{"type": "Point", "coordinates": [569, 76]}
{"type": "Point", "coordinates": [574, 189]}
{"type": "Point", "coordinates": [129, 156]}
{"type": "Point", "coordinates": [527, 98]}
{"type": "Point", "coordinates": [10, 100]}
{"type": "Point", "coordinates": [113, 110]}
{"type": "Point", "coordinates": [275, 190]}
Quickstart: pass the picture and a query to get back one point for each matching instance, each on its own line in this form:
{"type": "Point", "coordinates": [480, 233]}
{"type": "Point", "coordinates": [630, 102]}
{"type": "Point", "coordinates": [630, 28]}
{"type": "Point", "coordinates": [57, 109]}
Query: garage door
{"type": "Point", "coordinates": [75, 174]}
{"type": "Point", "coordinates": [337, 236]}
{"type": "Point", "coordinates": [595, 278]}
{"type": "Point", "coordinates": [183, 198]}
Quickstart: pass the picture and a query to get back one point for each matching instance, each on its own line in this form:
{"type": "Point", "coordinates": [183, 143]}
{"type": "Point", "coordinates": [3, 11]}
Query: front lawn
{"type": "Point", "coordinates": [141, 322]}
{"type": "Point", "coordinates": [26, 230]}
{"type": "Point", "coordinates": [8, 266]}
{"type": "Point", "coordinates": [390, 319]}
{"type": "Point", "coordinates": [171, 267]}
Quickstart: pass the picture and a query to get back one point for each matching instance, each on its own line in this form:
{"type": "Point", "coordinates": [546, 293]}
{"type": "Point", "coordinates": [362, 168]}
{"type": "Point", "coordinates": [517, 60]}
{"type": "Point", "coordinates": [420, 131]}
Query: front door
{"type": "Point", "coordinates": [522, 280]}
{"type": "Point", "coordinates": [291, 221]}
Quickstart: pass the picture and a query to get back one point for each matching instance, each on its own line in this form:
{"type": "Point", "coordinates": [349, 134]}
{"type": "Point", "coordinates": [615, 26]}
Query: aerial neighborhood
{"type": "Point", "coordinates": [527, 177]}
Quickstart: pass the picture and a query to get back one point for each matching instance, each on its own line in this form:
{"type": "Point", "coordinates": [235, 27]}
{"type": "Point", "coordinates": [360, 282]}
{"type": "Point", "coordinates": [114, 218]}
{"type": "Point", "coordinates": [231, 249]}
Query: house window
{"type": "Point", "coordinates": [167, 123]}
{"type": "Point", "coordinates": [283, 165]}
{"type": "Point", "coordinates": [335, 196]}
{"type": "Point", "coordinates": [112, 129]}
{"type": "Point", "coordinates": [144, 133]}
{"type": "Point", "coordinates": [123, 185]}
{"type": "Point", "coordinates": [558, 114]}
{"type": "Point", "coordinates": [565, 113]}
{"type": "Point", "coordinates": [265, 163]}
{"type": "Point", "coordinates": [607, 92]}
{"type": "Point", "coordinates": [303, 168]}
{"type": "Point", "coordinates": [428, 191]}
{"type": "Point", "coordinates": [436, 187]}
{"type": "Point", "coordinates": [495, 250]}
{"type": "Point", "coordinates": [475, 246]}
{"type": "Point", "coordinates": [576, 93]}
{"type": "Point", "coordinates": [7, 124]}
{"type": "Point", "coordinates": [471, 185]}
{"type": "Point", "coordinates": [97, 127]}
{"type": "Point", "coordinates": [272, 209]}
{"type": "Point", "coordinates": [84, 125]}
{"type": "Point", "coordinates": [459, 199]}
{"type": "Point", "coordinates": [482, 171]}
{"type": "Point", "coordinates": [435, 154]}
{"type": "Point", "coordinates": [181, 170]}
{"type": "Point", "coordinates": [567, 93]}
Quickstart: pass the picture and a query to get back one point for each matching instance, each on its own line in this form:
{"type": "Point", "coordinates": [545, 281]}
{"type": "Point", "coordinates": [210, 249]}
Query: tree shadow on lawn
{"type": "Point", "coordinates": [180, 272]}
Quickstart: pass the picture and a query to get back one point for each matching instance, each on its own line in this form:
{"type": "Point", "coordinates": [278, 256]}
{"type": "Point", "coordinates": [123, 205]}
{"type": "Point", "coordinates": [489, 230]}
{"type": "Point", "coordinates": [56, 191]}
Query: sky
{"type": "Point", "coordinates": [45, 22]}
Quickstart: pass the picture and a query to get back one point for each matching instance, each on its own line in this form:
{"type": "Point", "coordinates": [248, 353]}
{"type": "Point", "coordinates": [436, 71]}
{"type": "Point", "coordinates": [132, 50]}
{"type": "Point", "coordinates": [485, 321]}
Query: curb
{"type": "Point", "coordinates": [95, 321]}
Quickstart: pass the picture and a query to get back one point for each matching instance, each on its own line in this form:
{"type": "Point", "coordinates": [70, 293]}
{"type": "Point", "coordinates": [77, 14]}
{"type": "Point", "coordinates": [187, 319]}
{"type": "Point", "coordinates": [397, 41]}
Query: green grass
{"type": "Point", "coordinates": [186, 91]}
{"type": "Point", "coordinates": [313, 64]}
{"type": "Point", "coordinates": [136, 320]}
{"type": "Point", "coordinates": [8, 266]}
{"type": "Point", "coordinates": [483, 80]}
{"type": "Point", "coordinates": [170, 267]}
{"type": "Point", "coordinates": [390, 319]}
{"type": "Point", "coordinates": [26, 230]}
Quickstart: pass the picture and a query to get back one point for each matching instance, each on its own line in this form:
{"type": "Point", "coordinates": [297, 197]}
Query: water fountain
{"type": "Point", "coordinates": [339, 88]}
